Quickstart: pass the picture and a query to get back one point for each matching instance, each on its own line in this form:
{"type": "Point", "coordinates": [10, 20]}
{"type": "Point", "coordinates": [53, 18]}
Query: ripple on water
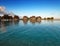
{"type": "Point", "coordinates": [38, 34]}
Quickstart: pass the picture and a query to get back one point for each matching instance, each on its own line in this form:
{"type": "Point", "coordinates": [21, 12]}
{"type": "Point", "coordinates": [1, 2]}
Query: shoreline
{"type": "Point", "coordinates": [29, 20]}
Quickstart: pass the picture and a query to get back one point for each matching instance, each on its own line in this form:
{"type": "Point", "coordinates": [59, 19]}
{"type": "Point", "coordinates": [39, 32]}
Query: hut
{"type": "Point", "coordinates": [25, 18]}
{"type": "Point", "coordinates": [44, 18]}
{"type": "Point", "coordinates": [38, 19]}
{"type": "Point", "coordinates": [5, 17]}
{"type": "Point", "coordinates": [16, 18]}
{"type": "Point", "coordinates": [10, 18]}
{"type": "Point", "coordinates": [48, 18]}
{"type": "Point", "coordinates": [33, 19]}
{"type": "Point", "coordinates": [52, 18]}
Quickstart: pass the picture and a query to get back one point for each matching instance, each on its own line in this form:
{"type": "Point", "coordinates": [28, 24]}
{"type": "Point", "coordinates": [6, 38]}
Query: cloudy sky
{"type": "Point", "coordinates": [43, 8]}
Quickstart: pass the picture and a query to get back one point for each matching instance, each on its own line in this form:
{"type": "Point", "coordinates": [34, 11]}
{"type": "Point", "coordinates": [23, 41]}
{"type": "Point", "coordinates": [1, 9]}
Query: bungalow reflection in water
{"type": "Point", "coordinates": [4, 24]}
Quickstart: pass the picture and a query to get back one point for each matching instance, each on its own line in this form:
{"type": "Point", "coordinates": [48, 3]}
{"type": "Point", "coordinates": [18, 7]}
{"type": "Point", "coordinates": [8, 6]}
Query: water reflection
{"type": "Point", "coordinates": [10, 23]}
{"type": "Point", "coordinates": [5, 24]}
{"type": "Point", "coordinates": [39, 21]}
{"type": "Point", "coordinates": [16, 22]}
{"type": "Point", "coordinates": [31, 34]}
{"type": "Point", "coordinates": [2, 27]}
{"type": "Point", "coordinates": [33, 21]}
{"type": "Point", "coordinates": [49, 20]}
{"type": "Point", "coordinates": [25, 21]}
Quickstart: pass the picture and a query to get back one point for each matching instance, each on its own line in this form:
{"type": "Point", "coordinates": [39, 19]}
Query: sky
{"type": "Point", "coordinates": [43, 8]}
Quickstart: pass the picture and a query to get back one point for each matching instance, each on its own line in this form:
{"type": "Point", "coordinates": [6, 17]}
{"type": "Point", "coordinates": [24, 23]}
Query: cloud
{"type": "Point", "coordinates": [2, 8]}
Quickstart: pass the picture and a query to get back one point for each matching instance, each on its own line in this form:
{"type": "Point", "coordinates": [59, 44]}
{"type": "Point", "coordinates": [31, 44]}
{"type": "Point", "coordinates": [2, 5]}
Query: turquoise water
{"type": "Point", "coordinates": [44, 33]}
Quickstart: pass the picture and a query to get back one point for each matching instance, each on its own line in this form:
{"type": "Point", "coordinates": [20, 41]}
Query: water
{"type": "Point", "coordinates": [44, 33]}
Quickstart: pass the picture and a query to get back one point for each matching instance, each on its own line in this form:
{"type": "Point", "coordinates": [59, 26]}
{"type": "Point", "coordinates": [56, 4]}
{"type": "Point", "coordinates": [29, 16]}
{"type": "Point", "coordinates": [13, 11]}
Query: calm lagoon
{"type": "Point", "coordinates": [44, 33]}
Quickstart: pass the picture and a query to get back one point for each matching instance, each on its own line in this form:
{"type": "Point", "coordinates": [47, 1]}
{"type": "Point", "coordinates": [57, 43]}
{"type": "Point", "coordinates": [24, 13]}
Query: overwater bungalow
{"type": "Point", "coordinates": [33, 19]}
{"type": "Point", "coordinates": [25, 18]}
{"type": "Point", "coordinates": [38, 19]}
{"type": "Point", "coordinates": [16, 18]}
{"type": "Point", "coordinates": [10, 18]}
{"type": "Point", "coordinates": [50, 18]}
{"type": "Point", "coordinates": [44, 18]}
{"type": "Point", "coordinates": [5, 17]}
